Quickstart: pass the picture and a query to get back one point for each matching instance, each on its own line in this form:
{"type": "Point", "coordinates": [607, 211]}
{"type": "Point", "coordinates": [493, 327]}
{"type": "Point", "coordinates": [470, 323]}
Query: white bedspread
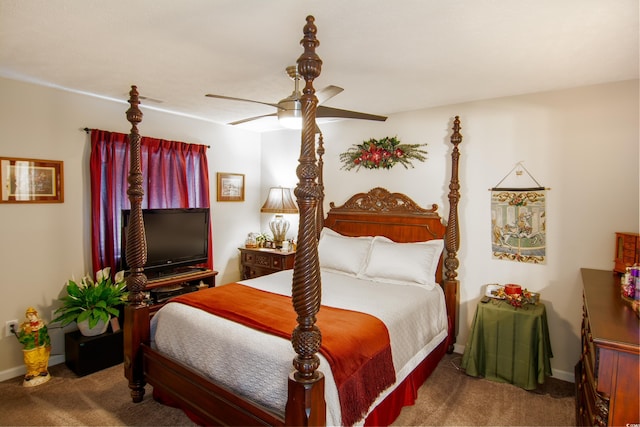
{"type": "Point", "coordinates": [257, 365]}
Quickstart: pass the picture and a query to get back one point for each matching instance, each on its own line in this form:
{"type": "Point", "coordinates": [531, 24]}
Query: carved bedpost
{"type": "Point", "coordinates": [305, 404]}
{"type": "Point", "coordinates": [136, 314]}
{"type": "Point", "coordinates": [136, 241]}
{"type": "Point", "coordinates": [320, 209]}
{"type": "Point", "coordinates": [452, 241]}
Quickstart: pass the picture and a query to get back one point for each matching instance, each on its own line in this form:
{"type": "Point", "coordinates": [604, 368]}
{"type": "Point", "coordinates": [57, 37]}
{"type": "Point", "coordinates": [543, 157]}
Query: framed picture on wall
{"type": "Point", "coordinates": [230, 187]}
{"type": "Point", "coordinates": [31, 181]}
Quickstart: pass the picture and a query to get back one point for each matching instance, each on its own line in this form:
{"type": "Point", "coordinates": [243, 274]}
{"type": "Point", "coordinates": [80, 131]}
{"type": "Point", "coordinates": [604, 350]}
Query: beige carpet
{"type": "Point", "coordinates": [449, 397]}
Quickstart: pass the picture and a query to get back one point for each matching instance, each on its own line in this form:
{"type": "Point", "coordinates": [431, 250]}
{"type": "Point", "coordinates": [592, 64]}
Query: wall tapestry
{"type": "Point", "coordinates": [518, 223]}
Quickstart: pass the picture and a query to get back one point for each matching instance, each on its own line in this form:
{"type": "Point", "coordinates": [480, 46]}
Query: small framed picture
{"type": "Point", "coordinates": [31, 181]}
{"type": "Point", "coordinates": [230, 187]}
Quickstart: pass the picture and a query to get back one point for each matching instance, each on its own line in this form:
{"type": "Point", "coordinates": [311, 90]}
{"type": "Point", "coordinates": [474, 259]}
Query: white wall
{"type": "Point", "coordinates": [281, 151]}
{"type": "Point", "coordinates": [43, 245]}
{"type": "Point", "coordinates": [582, 143]}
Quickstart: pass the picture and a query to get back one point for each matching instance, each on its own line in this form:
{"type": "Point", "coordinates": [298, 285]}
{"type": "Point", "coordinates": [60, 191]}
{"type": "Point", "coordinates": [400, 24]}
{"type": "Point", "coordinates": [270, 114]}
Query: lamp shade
{"type": "Point", "coordinates": [279, 201]}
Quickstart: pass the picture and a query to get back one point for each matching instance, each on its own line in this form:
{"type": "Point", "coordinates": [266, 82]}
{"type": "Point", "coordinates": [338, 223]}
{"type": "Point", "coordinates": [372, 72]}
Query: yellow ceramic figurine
{"type": "Point", "coordinates": [33, 335]}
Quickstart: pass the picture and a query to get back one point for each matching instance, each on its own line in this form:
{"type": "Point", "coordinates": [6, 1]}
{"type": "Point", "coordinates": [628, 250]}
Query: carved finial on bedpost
{"type": "Point", "coordinates": [452, 241]}
{"type": "Point", "coordinates": [136, 314]}
{"type": "Point", "coordinates": [305, 404]}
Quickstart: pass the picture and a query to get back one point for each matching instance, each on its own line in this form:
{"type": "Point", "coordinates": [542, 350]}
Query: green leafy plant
{"type": "Point", "coordinates": [262, 239]}
{"type": "Point", "coordinates": [93, 300]}
{"type": "Point", "coordinates": [382, 153]}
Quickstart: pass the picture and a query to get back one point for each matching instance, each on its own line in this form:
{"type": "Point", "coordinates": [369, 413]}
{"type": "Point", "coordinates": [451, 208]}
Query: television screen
{"type": "Point", "coordinates": [175, 238]}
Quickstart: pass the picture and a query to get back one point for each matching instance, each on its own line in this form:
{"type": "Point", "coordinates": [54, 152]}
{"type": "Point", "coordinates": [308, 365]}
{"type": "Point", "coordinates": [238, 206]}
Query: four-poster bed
{"type": "Point", "coordinates": [160, 353]}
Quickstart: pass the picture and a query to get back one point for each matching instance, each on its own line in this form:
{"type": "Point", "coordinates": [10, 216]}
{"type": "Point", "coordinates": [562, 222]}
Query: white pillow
{"type": "Point", "coordinates": [342, 254]}
{"type": "Point", "coordinates": [403, 263]}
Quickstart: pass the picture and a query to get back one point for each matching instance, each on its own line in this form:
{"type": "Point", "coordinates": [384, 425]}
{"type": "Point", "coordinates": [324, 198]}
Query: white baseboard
{"type": "Point", "coordinates": [18, 371]}
{"type": "Point", "coordinates": [556, 373]}
{"type": "Point", "coordinates": [563, 375]}
{"type": "Point", "coordinates": [458, 348]}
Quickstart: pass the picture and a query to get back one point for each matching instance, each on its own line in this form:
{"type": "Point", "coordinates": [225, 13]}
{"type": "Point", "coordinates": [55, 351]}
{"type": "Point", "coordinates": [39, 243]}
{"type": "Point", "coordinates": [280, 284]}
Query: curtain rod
{"type": "Point", "coordinates": [88, 130]}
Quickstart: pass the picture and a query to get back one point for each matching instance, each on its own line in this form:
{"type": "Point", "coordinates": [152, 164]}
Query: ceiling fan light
{"type": "Point", "coordinates": [291, 122]}
{"type": "Point", "coordinates": [290, 114]}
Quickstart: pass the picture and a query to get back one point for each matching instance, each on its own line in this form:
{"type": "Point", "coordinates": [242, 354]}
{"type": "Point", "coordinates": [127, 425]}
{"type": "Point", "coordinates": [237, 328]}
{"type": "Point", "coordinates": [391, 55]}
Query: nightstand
{"type": "Point", "coordinates": [256, 262]}
{"type": "Point", "coordinates": [508, 344]}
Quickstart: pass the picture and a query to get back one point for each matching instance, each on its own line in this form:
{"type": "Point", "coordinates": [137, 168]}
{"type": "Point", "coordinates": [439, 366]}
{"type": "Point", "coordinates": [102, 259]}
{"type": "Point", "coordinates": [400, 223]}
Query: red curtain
{"type": "Point", "coordinates": [175, 175]}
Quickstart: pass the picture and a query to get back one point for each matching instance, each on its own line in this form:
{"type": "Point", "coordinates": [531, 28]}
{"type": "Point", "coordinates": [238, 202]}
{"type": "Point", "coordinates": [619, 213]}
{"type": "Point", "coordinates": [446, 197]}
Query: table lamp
{"type": "Point", "coordinates": [280, 202]}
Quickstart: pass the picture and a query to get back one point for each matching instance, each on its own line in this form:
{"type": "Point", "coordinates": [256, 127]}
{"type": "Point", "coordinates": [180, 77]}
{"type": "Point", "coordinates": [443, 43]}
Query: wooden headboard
{"type": "Point", "coordinates": [382, 213]}
{"type": "Point", "coordinates": [396, 216]}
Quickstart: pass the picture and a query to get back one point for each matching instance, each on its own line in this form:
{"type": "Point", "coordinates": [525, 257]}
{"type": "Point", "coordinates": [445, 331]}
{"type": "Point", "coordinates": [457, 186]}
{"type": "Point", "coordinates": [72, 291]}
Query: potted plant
{"type": "Point", "coordinates": [262, 240]}
{"type": "Point", "coordinates": [92, 303]}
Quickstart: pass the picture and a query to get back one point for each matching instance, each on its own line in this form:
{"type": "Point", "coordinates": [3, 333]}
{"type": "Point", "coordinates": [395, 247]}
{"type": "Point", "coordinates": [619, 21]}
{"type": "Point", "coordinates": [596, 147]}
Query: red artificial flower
{"type": "Point", "coordinates": [376, 157]}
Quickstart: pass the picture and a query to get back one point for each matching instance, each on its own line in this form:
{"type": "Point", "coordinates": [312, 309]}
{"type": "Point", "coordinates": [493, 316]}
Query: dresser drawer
{"type": "Point", "coordinates": [278, 262]}
{"type": "Point", "coordinates": [257, 259]}
{"type": "Point", "coordinates": [589, 352]}
{"type": "Point", "coordinates": [262, 260]}
{"type": "Point", "coordinates": [249, 272]}
{"type": "Point", "coordinates": [585, 399]}
{"type": "Point", "coordinates": [247, 257]}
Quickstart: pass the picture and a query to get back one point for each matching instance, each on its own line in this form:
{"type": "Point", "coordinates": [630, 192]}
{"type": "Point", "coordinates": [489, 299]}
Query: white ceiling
{"type": "Point", "coordinates": [389, 55]}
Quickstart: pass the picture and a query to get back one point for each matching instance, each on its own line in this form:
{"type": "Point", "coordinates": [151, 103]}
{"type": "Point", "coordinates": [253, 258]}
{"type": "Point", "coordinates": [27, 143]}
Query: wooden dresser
{"type": "Point", "coordinates": [257, 262]}
{"type": "Point", "coordinates": [608, 373]}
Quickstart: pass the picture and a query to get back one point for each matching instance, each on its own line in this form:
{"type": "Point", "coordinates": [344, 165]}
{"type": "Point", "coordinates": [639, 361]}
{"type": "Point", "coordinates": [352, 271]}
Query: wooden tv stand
{"type": "Point", "coordinates": [188, 281]}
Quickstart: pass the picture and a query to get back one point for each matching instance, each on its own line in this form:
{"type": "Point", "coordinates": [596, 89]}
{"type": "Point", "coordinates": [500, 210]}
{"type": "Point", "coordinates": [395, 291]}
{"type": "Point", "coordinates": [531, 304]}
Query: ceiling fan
{"type": "Point", "coordinates": [289, 109]}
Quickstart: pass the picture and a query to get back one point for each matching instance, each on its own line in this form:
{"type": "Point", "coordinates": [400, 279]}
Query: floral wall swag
{"type": "Point", "coordinates": [382, 153]}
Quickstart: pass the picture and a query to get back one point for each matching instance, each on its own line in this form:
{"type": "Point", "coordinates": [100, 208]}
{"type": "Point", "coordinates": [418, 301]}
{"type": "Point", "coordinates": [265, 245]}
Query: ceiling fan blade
{"type": "Point", "coordinates": [253, 118]}
{"type": "Point", "coordinates": [323, 111]}
{"type": "Point", "coordinates": [327, 93]}
{"type": "Point", "coordinates": [241, 99]}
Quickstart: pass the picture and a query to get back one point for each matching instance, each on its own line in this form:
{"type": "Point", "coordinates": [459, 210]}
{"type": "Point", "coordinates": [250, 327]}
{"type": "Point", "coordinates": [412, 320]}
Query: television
{"type": "Point", "coordinates": [177, 239]}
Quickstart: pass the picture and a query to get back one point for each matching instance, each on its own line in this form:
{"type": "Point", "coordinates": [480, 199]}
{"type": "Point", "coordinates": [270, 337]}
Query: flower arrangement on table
{"type": "Point", "coordinates": [382, 153]}
{"type": "Point", "coordinates": [516, 299]}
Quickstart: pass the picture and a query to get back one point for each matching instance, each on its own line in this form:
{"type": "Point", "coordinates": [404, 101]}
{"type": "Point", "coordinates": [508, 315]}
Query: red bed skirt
{"type": "Point", "coordinates": [407, 392]}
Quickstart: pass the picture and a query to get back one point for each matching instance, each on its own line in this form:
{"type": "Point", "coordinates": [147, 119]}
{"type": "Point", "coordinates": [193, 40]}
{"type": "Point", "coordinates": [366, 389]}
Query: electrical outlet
{"type": "Point", "coordinates": [7, 327]}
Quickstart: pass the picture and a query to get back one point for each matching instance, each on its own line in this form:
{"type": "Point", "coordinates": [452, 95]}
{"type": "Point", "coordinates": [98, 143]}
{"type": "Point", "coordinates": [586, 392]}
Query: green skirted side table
{"type": "Point", "coordinates": [509, 344]}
